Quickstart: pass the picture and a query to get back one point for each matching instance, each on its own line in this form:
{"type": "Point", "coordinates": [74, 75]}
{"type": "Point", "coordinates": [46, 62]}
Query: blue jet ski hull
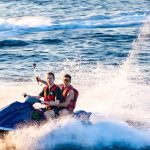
{"type": "Point", "coordinates": [18, 114]}
{"type": "Point", "coordinates": [15, 114]}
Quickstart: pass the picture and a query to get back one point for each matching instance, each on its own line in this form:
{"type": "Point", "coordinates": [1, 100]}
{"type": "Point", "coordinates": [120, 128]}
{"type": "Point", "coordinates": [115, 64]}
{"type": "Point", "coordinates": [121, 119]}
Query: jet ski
{"type": "Point", "coordinates": [19, 114]}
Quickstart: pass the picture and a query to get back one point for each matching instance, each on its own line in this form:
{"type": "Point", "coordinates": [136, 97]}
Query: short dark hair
{"type": "Point", "coordinates": [51, 73]}
{"type": "Point", "coordinates": [67, 76]}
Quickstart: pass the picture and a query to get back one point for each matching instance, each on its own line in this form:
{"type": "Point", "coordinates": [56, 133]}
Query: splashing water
{"type": "Point", "coordinates": [108, 92]}
{"type": "Point", "coordinates": [53, 135]}
{"type": "Point", "coordinates": [140, 48]}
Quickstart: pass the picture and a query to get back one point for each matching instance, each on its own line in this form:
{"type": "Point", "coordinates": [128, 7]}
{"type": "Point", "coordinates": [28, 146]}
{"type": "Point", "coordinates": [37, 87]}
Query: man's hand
{"type": "Point", "coordinates": [44, 102]}
{"type": "Point", "coordinates": [38, 79]}
{"type": "Point", "coordinates": [24, 94]}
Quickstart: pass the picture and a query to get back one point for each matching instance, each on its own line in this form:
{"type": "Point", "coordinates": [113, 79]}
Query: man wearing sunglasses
{"type": "Point", "coordinates": [69, 96]}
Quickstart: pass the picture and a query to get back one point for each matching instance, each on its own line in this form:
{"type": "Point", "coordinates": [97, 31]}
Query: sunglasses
{"type": "Point", "coordinates": [66, 79]}
{"type": "Point", "coordinates": [49, 78]}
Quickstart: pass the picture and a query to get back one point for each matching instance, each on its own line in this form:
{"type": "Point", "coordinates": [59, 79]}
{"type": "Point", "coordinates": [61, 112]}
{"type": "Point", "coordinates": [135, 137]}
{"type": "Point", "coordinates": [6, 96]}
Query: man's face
{"type": "Point", "coordinates": [66, 80]}
{"type": "Point", "coordinates": [49, 79]}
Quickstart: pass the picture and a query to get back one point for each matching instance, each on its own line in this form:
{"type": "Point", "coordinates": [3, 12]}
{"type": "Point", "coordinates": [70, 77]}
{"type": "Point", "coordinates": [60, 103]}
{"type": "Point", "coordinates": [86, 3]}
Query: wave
{"type": "Point", "coordinates": [6, 43]}
{"type": "Point", "coordinates": [29, 24]}
{"type": "Point", "coordinates": [48, 41]}
{"type": "Point", "coordinates": [20, 43]}
{"type": "Point", "coordinates": [103, 37]}
{"type": "Point", "coordinates": [68, 133]}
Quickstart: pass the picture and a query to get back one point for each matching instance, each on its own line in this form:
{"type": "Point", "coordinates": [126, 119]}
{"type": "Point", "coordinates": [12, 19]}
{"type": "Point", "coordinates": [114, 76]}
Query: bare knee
{"type": "Point", "coordinates": [49, 114]}
{"type": "Point", "coordinates": [64, 112]}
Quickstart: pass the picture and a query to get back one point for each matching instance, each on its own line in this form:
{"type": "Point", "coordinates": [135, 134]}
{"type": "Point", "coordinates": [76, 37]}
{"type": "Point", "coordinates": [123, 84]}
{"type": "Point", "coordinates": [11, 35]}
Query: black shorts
{"type": "Point", "coordinates": [56, 110]}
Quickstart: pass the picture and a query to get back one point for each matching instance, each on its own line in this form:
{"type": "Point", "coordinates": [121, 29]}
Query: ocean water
{"type": "Point", "coordinates": [104, 45]}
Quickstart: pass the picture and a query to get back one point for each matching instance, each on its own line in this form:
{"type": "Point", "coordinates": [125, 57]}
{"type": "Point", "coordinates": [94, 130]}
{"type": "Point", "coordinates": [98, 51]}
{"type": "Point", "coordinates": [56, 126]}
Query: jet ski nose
{"type": "Point", "coordinates": [81, 113]}
{"type": "Point", "coordinates": [32, 100]}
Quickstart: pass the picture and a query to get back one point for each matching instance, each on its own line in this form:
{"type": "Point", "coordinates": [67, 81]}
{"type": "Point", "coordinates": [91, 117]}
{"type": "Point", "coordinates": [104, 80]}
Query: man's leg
{"type": "Point", "coordinates": [49, 114]}
{"type": "Point", "coordinates": [64, 112]}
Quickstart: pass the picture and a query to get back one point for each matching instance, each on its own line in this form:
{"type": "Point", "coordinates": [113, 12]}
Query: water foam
{"type": "Point", "coordinates": [51, 135]}
{"type": "Point", "coordinates": [16, 26]}
{"type": "Point", "coordinates": [27, 21]}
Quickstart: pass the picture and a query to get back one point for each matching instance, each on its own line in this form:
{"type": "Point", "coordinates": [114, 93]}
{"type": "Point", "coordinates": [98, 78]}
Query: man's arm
{"type": "Point", "coordinates": [25, 95]}
{"type": "Point", "coordinates": [58, 97]}
{"type": "Point", "coordinates": [69, 97]}
{"type": "Point", "coordinates": [54, 103]}
{"type": "Point", "coordinates": [40, 80]}
{"type": "Point", "coordinates": [39, 96]}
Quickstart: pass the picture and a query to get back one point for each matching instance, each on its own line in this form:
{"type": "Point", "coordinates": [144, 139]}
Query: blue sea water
{"type": "Point", "coordinates": [51, 31]}
{"type": "Point", "coordinates": [104, 45]}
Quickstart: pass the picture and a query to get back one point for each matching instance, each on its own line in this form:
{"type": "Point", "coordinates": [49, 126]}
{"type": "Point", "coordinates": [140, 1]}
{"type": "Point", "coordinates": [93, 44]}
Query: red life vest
{"type": "Point", "coordinates": [65, 91]}
{"type": "Point", "coordinates": [50, 96]}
